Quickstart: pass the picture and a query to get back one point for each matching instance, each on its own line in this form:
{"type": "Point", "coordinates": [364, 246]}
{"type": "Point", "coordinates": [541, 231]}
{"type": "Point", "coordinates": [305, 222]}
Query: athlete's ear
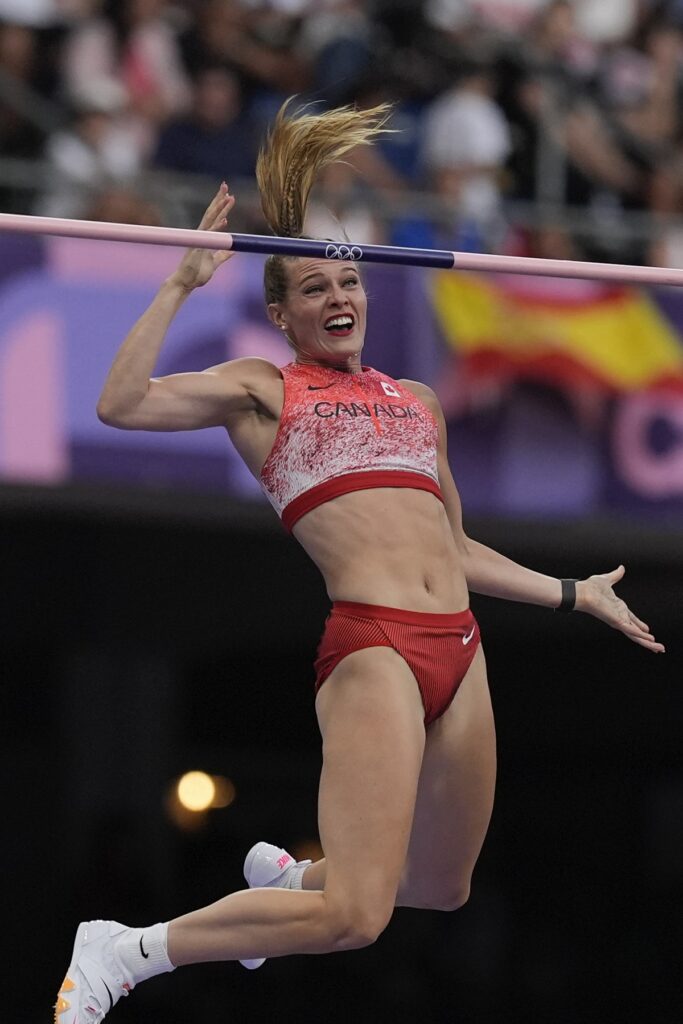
{"type": "Point", "coordinates": [276, 316]}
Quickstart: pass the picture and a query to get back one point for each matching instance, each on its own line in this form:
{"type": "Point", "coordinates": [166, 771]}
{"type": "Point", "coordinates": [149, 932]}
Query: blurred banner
{"type": "Point", "coordinates": [563, 398]}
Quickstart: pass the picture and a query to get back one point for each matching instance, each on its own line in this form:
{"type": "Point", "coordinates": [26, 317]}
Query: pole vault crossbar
{"type": "Point", "coordinates": [390, 254]}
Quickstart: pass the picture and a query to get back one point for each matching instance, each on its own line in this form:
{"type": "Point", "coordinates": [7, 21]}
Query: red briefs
{"type": "Point", "coordinates": [438, 648]}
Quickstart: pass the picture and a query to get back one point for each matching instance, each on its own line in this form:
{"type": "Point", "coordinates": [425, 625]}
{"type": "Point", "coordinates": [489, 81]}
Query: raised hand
{"type": "Point", "coordinates": [199, 265]}
{"type": "Point", "coordinates": [596, 597]}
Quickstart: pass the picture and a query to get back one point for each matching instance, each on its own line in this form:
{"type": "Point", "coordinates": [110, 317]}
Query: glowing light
{"type": "Point", "coordinates": [196, 791]}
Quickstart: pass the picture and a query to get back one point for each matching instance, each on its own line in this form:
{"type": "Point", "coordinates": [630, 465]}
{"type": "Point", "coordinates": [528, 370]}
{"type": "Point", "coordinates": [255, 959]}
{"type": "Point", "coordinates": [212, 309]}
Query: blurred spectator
{"type": "Point", "coordinates": [404, 86]}
{"type": "Point", "coordinates": [466, 143]}
{"type": "Point", "coordinates": [134, 44]}
{"type": "Point", "coordinates": [505, 15]}
{"type": "Point", "coordinates": [18, 71]}
{"type": "Point", "coordinates": [567, 150]}
{"type": "Point", "coordinates": [258, 44]}
{"type": "Point", "coordinates": [666, 203]}
{"type": "Point", "coordinates": [343, 215]}
{"type": "Point", "coordinates": [620, 141]}
{"type": "Point", "coordinates": [89, 153]}
{"type": "Point", "coordinates": [216, 139]}
{"type": "Point", "coordinates": [642, 87]}
{"type": "Point", "coordinates": [341, 43]}
{"type": "Point", "coordinates": [554, 45]}
{"type": "Point", "coordinates": [214, 35]}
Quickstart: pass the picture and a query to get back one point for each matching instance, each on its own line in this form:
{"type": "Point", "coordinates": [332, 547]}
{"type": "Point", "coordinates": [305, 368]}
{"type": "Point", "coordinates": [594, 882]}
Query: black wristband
{"type": "Point", "coordinates": [568, 596]}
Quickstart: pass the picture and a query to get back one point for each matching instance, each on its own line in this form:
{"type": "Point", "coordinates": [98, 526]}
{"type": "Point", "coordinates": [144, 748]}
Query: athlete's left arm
{"type": "Point", "coordinates": [488, 572]}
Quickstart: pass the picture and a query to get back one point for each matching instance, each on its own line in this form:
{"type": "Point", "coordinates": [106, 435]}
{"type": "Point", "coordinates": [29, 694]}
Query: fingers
{"type": "Point", "coordinates": [640, 634]}
{"type": "Point", "coordinates": [639, 631]}
{"type": "Point", "coordinates": [210, 212]}
{"type": "Point", "coordinates": [642, 625]}
{"type": "Point", "coordinates": [649, 644]}
{"type": "Point", "coordinates": [215, 216]}
{"type": "Point", "coordinates": [599, 599]}
{"type": "Point", "coordinates": [221, 218]}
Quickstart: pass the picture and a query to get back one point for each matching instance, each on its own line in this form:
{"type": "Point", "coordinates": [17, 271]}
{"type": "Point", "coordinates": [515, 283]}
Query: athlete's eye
{"type": "Point", "coordinates": [351, 280]}
{"type": "Point", "coordinates": [312, 288]}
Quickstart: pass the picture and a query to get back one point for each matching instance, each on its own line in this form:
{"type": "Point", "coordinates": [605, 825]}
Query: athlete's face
{"type": "Point", "coordinates": [324, 313]}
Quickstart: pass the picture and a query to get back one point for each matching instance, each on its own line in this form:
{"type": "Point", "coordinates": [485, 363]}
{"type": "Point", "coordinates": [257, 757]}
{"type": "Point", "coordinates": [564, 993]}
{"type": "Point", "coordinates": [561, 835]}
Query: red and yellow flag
{"type": "Point", "coordinates": [562, 332]}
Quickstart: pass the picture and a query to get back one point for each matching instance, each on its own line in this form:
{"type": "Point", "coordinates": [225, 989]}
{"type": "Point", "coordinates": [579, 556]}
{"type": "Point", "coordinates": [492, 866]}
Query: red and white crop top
{"type": "Point", "coordinates": [342, 432]}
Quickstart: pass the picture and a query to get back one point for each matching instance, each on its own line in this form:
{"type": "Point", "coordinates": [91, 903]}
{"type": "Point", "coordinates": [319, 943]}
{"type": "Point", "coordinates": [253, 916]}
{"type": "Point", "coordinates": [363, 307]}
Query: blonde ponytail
{"type": "Point", "coordinates": [295, 151]}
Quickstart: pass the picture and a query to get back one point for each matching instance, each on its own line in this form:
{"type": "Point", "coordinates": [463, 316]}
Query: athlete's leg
{"type": "Point", "coordinates": [455, 798]}
{"type": "Point", "coordinates": [370, 716]}
{"type": "Point", "coordinates": [454, 801]}
{"type": "Point", "coordinates": [367, 806]}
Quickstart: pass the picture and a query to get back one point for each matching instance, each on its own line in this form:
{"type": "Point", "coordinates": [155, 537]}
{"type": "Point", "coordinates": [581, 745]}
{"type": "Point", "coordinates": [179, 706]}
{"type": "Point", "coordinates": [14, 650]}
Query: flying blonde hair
{"type": "Point", "coordinates": [296, 149]}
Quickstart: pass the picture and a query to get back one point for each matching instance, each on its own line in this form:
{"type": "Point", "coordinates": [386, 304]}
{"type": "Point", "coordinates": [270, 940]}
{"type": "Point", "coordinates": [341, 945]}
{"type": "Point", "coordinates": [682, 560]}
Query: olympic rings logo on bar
{"type": "Point", "coordinates": [343, 252]}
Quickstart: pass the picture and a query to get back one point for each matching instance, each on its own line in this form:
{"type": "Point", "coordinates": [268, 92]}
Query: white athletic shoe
{"type": "Point", "coordinates": [95, 980]}
{"type": "Point", "coordinates": [267, 866]}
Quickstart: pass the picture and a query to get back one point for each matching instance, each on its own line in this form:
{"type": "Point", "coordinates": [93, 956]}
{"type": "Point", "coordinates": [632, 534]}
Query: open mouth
{"type": "Point", "coordinates": [340, 326]}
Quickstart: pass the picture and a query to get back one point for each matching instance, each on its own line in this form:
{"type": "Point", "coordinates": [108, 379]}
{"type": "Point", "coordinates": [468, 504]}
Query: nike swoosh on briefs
{"type": "Point", "coordinates": [318, 387]}
{"type": "Point", "coordinates": [146, 955]}
{"type": "Point", "coordinates": [466, 639]}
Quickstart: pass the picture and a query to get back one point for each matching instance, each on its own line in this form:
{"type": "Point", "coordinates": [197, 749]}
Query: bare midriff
{"type": "Point", "coordinates": [389, 546]}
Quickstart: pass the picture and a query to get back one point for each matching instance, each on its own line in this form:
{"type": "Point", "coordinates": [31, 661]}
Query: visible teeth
{"type": "Point", "coordinates": [340, 321]}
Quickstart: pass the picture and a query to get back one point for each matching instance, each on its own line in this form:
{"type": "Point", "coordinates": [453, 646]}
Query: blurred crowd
{"type": "Point", "coordinates": [497, 104]}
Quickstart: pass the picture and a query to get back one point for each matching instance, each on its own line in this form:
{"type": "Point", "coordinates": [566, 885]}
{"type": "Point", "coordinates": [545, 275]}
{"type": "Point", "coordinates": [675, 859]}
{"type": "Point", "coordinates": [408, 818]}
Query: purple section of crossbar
{"type": "Point", "coordinates": [190, 237]}
{"type": "Point", "coordinates": [439, 258]}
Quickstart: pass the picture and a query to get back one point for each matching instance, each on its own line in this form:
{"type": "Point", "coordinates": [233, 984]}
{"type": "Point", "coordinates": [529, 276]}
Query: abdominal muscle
{"type": "Point", "coordinates": [386, 546]}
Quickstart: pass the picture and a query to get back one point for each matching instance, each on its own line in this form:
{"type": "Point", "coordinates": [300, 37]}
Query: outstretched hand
{"type": "Point", "coordinates": [199, 265]}
{"type": "Point", "coordinates": [596, 596]}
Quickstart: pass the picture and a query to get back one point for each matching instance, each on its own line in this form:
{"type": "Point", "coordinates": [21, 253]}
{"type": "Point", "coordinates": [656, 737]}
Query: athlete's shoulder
{"type": "Point", "coordinates": [255, 366]}
{"type": "Point", "coordinates": [428, 397]}
{"type": "Point", "coordinates": [420, 390]}
{"type": "Point", "coordinates": [260, 378]}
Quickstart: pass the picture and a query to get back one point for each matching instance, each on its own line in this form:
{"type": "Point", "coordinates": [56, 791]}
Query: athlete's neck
{"type": "Point", "coordinates": [353, 364]}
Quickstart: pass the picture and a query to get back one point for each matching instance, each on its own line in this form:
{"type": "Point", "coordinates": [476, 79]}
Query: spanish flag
{"type": "Point", "coordinates": [567, 333]}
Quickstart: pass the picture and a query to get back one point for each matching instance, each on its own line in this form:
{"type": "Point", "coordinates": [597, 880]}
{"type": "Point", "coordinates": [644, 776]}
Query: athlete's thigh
{"type": "Point", "coordinates": [371, 719]}
{"type": "Point", "coordinates": [455, 797]}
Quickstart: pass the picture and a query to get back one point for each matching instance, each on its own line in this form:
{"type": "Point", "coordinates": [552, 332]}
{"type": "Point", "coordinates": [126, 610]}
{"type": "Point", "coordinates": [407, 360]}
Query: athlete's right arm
{"type": "Point", "coordinates": [133, 400]}
{"type": "Point", "coordinates": [190, 401]}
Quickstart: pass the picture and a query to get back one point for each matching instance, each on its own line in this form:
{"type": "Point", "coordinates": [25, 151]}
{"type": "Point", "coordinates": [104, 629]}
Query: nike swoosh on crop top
{"type": "Point", "coordinates": [342, 432]}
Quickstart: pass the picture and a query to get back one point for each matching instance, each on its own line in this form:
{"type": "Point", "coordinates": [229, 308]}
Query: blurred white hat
{"type": "Point", "coordinates": [448, 15]}
{"type": "Point", "coordinates": [101, 95]}
{"type": "Point", "coordinates": [35, 13]}
{"type": "Point", "coordinates": [606, 21]}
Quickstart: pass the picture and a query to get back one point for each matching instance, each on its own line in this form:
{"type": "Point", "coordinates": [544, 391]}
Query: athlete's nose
{"type": "Point", "coordinates": [339, 296]}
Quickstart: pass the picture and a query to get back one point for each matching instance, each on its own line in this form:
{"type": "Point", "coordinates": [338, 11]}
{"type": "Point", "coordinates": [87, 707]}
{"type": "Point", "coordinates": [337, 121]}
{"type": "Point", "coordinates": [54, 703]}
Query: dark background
{"type": "Point", "coordinates": [145, 635]}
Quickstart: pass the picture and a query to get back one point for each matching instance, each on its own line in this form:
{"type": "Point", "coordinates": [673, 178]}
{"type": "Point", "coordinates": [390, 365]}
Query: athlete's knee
{"type": "Point", "coordinates": [448, 897]}
{"type": "Point", "coordinates": [354, 927]}
{"type": "Point", "coordinates": [451, 898]}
